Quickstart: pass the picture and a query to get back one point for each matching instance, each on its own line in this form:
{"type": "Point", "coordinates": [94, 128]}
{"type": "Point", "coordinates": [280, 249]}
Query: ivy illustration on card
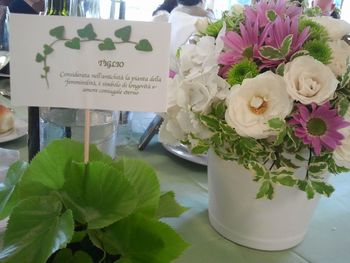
{"type": "Point", "coordinates": [87, 34]}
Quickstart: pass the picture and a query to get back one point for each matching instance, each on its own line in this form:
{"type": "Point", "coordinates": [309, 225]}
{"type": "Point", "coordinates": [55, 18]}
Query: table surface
{"type": "Point", "coordinates": [327, 240]}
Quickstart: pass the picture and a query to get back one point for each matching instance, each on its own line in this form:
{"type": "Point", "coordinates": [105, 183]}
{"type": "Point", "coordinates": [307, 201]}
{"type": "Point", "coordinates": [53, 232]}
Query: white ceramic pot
{"type": "Point", "coordinates": [263, 224]}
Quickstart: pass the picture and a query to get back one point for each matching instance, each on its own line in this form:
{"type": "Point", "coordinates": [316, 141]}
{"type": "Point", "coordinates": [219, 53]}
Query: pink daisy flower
{"type": "Point", "coordinates": [280, 29]}
{"type": "Point", "coordinates": [318, 126]}
{"type": "Point", "coordinates": [243, 45]}
{"type": "Point", "coordinates": [260, 11]}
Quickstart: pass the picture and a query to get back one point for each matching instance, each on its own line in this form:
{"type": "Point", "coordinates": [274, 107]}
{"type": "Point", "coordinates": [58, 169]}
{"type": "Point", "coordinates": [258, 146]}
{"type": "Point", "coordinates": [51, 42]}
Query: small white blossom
{"type": "Point", "coordinates": [253, 103]}
{"type": "Point", "coordinates": [308, 80]}
{"type": "Point", "coordinates": [202, 57]}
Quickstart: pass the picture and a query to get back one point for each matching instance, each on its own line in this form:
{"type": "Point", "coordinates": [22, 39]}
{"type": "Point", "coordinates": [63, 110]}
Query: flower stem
{"type": "Point", "coordinates": [309, 161]}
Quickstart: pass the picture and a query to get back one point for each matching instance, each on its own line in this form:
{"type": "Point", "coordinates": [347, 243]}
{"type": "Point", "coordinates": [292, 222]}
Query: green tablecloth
{"type": "Point", "coordinates": [327, 241]}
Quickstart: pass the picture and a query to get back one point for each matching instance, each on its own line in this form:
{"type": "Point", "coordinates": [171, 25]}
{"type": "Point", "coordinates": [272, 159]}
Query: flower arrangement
{"type": "Point", "coordinates": [267, 86]}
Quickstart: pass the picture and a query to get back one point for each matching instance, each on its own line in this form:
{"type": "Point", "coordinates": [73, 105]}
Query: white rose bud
{"type": "Point", "coordinates": [308, 80]}
{"type": "Point", "coordinates": [253, 103]}
{"type": "Point", "coordinates": [202, 24]}
{"type": "Point", "coordinates": [341, 52]}
{"type": "Point", "coordinates": [237, 9]}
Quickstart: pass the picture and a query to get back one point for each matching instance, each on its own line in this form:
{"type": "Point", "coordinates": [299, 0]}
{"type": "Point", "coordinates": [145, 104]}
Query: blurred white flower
{"type": "Point", "coordinates": [308, 80]}
{"type": "Point", "coordinates": [236, 9]}
{"type": "Point", "coordinates": [336, 28]}
{"type": "Point", "coordinates": [340, 54]}
{"type": "Point", "coordinates": [197, 94]}
{"type": "Point", "coordinates": [202, 24]}
{"type": "Point", "coordinates": [257, 100]}
{"type": "Point", "coordinates": [341, 154]}
{"type": "Point", "coordinates": [202, 57]}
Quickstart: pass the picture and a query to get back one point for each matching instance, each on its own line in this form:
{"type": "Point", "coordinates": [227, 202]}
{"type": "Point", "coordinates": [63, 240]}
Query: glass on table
{"type": "Point", "coordinates": [4, 36]}
{"type": "Point", "coordinates": [58, 123]}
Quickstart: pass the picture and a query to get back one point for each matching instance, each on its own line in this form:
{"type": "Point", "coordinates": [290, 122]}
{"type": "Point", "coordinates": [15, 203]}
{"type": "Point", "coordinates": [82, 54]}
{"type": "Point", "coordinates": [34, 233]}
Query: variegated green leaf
{"type": "Point", "coordinates": [265, 190]}
{"type": "Point", "coordinates": [318, 168]}
{"type": "Point", "coordinates": [270, 53]}
{"type": "Point", "coordinates": [299, 53]}
{"type": "Point", "coordinates": [343, 106]}
{"type": "Point", "coordinates": [286, 44]}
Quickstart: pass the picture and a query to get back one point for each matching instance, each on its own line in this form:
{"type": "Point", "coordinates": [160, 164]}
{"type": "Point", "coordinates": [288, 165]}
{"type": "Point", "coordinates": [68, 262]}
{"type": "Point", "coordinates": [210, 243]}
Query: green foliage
{"type": "Point", "coordinates": [37, 227]}
{"type": "Point", "coordinates": [214, 28]}
{"type": "Point", "coordinates": [108, 209]}
{"type": "Point", "coordinates": [271, 15]}
{"type": "Point", "coordinates": [168, 207]}
{"type": "Point", "coordinates": [317, 31]}
{"type": "Point", "coordinates": [313, 11]}
{"type": "Point", "coordinates": [8, 189]}
{"type": "Point", "coordinates": [66, 256]}
{"type": "Point", "coordinates": [242, 70]}
{"type": "Point", "coordinates": [231, 21]}
{"type": "Point", "coordinates": [141, 239]}
{"type": "Point", "coordinates": [319, 49]}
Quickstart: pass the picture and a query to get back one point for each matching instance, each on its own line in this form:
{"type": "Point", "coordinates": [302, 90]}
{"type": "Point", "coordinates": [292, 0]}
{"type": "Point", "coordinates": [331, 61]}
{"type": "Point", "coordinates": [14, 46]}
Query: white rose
{"type": "Point", "coordinates": [253, 103]}
{"type": "Point", "coordinates": [308, 80]}
{"type": "Point", "coordinates": [341, 52]}
{"type": "Point", "coordinates": [341, 154]}
{"type": "Point", "coordinates": [336, 28]}
{"type": "Point", "coordinates": [202, 24]}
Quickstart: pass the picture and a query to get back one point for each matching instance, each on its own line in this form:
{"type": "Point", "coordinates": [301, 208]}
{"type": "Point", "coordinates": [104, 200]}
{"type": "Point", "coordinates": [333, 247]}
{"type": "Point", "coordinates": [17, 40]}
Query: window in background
{"type": "Point", "coordinates": [345, 12]}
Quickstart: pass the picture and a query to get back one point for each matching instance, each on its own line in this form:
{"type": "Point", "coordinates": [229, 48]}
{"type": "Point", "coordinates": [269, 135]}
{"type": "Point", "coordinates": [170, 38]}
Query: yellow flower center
{"type": "Point", "coordinates": [258, 105]}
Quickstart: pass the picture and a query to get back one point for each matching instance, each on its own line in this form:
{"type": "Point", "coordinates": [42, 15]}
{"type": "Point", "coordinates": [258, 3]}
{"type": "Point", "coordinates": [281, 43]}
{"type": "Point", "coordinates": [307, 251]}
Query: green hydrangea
{"type": "Point", "coordinates": [319, 50]}
{"type": "Point", "coordinates": [242, 70]}
{"type": "Point", "coordinates": [317, 31]}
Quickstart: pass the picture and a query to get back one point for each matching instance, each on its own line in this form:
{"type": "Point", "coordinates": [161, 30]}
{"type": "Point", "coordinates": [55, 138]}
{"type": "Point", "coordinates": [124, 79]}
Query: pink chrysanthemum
{"type": "Point", "coordinates": [318, 126]}
{"type": "Point", "coordinates": [259, 12]}
{"type": "Point", "coordinates": [243, 45]}
{"type": "Point", "coordinates": [278, 31]}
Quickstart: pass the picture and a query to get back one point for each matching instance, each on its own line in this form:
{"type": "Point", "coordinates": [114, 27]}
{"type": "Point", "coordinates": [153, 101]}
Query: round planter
{"type": "Point", "coordinates": [262, 224]}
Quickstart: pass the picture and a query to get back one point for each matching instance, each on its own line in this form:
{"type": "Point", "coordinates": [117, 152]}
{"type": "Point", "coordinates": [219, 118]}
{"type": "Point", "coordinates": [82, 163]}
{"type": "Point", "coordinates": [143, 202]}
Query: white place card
{"type": "Point", "coordinates": [75, 62]}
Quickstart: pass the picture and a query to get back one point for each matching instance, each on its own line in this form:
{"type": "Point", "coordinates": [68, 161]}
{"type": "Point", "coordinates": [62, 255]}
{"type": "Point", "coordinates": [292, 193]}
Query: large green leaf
{"type": "Point", "coordinates": [66, 256]}
{"type": "Point", "coordinates": [8, 188]}
{"type": "Point", "coordinates": [48, 166]}
{"type": "Point", "coordinates": [144, 179]}
{"type": "Point", "coordinates": [36, 229]}
{"type": "Point", "coordinates": [97, 194]}
{"type": "Point", "coordinates": [168, 207]}
{"type": "Point", "coordinates": [140, 239]}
